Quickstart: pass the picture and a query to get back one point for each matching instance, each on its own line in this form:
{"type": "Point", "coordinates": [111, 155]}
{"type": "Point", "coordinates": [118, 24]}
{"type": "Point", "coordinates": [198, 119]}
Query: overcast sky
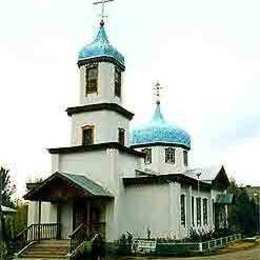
{"type": "Point", "coordinates": [205, 53]}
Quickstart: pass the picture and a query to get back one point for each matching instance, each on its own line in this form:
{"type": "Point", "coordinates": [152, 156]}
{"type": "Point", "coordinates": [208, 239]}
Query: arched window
{"type": "Point", "coordinates": [118, 82]}
{"type": "Point", "coordinates": [192, 211]}
{"type": "Point", "coordinates": [121, 136]}
{"type": "Point", "coordinates": [185, 158]}
{"type": "Point", "coordinates": [91, 79]}
{"type": "Point", "coordinates": [87, 135]}
{"type": "Point", "coordinates": [198, 204]}
{"type": "Point", "coordinates": [183, 210]}
{"type": "Point", "coordinates": [170, 155]}
{"type": "Point", "coordinates": [148, 155]}
{"type": "Point", "coordinates": [205, 212]}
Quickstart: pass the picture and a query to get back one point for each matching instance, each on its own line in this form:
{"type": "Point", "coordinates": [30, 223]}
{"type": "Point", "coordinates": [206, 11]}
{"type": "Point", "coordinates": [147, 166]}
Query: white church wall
{"type": "Point", "coordinates": [106, 86]}
{"type": "Point", "coordinates": [95, 165]}
{"type": "Point", "coordinates": [146, 206]}
{"type": "Point", "coordinates": [105, 168]}
{"type": "Point", "coordinates": [106, 125]}
{"type": "Point", "coordinates": [159, 165]}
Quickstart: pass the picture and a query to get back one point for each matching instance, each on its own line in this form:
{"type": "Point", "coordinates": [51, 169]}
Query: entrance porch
{"type": "Point", "coordinates": [69, 207]}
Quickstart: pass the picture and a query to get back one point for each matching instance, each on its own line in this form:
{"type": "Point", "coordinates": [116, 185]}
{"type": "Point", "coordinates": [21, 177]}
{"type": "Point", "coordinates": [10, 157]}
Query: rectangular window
{"type": "Point", "coordinates": [170, 155]}
{"type": "Point", "coordinates": [183, 210]}
{"type": "Point", "coordinates": [205, 212]}
{"type": "Point", "coordinates": [148, 155]}
{"type": "Point", "coordinates": [91, 79]}
{"type": "Point", "coordinates": [121, 136]}
{"type": "Point", "coordinates": [192, 211]}
{"type": "Point", "coordinates": [88, 135]}
{"type": "Point", "coordinates": [213, 211]}
{"type": "Point", "coordinates": [198, 204]}
{"type": "Point", "coordinates": [118, 82]}
{"type": "Point", "coordinates": [185, 158]}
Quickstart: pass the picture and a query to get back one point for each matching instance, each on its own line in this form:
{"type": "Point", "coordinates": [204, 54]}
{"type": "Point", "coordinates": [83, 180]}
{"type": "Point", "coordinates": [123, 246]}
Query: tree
{"type": "Point", "coordinates": [242, 213]}
{"type": "Point", "coordinates": [7, 188]}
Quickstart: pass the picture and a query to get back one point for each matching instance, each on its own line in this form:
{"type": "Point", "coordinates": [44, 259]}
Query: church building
{"type": "Point", "coordinates": [111, 180]}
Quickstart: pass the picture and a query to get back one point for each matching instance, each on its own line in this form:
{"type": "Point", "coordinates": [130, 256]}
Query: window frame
{"type": "Point", "coordinates": [88, 90]}
{"type": "Point", "coordinates": [118, 82]}
{"type": "Point", "coordinates": [192, 211]}
{"type": "Point", "coordinates": [120, 139]}
{"type": "Point", "coordinates": [198, 209]}
{"type": "Point", "coordinates": [86, 128]}
{"type": "Point", "coordinates": [205, 211]}
{"type": "Point", "coordinates": [170, 155]}
{"type": "Point", "coordinates": [185, 158]}
{"type": "Point", "coordinates": [148, 156]}
{"type": "Point", "coordinates": [183, 209]}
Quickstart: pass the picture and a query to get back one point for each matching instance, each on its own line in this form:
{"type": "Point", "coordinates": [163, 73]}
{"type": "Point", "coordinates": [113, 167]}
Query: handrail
{"type": "Point", "coordinates": [84, 232]}
{"type": "Point", "coordinates": [76, 230]}
{"type": "Point", "coordinates": [23, 231]}
{"type": "Point", "coordinates": [37, 232]}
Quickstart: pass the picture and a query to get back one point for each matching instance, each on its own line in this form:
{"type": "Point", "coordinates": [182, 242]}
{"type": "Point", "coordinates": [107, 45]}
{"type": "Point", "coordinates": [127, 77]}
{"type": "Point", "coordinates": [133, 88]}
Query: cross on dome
{"type": "Point", "coordinates": [157, 91]}
{"type": "Point", "coordinates": [102, 2]}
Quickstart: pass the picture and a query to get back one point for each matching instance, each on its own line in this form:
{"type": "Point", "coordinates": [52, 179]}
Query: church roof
{"type": "Point", "coordinates": [165, 179]}
{"type": "Point", "coordinates": [208, 174]}
{"type": "Point", "coordinates": [96, 147]}
{"type": "Point", "coordinates": [55, 188]}
{"type": "Point", "coordinates": [101, 47]}
{"type": "Point", "coordinates": [158, 130]}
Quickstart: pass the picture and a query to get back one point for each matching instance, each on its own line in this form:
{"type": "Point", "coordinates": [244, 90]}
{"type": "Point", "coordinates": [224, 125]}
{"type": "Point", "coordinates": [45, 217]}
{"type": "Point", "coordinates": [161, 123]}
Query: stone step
{"type": "Point", "coordinates": [47, 249]}
{"type": "Point", "coordinates": [45, 252]}
{"type": "Point", "coordinates": [39, 257]}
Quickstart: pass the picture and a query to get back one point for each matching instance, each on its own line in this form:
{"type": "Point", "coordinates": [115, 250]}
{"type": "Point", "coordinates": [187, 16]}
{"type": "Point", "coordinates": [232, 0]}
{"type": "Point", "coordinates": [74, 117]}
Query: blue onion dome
{"type": "Point", "coordinates": [101, 47]}
{"type": "Point", "coordinates": [158, 130]}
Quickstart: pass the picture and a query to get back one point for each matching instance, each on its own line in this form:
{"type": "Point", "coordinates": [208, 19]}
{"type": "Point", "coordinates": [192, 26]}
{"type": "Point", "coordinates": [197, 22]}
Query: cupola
{"type": "Point", "coordinates": [100, 50]}
{"type": "Point", "coordinates": [158, 130]}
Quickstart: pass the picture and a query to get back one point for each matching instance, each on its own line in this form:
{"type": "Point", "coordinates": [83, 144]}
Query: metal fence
{"type": "Point", "coordinates": [181, 248]}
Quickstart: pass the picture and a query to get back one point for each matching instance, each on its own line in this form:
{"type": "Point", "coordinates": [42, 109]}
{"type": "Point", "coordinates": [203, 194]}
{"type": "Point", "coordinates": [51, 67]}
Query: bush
{"type": "Point", "coordinates": [125, 244]}
{"type": "Point", "coordinates": [3, 250]}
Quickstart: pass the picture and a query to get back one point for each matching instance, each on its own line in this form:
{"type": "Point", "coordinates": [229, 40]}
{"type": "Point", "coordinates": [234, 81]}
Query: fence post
{"type": "Point", "coordinates": [200, 247]}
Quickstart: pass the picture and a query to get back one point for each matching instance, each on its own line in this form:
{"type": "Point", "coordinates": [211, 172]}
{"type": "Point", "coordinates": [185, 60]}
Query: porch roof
{"type": "Point", "coordinates": [61, 186]}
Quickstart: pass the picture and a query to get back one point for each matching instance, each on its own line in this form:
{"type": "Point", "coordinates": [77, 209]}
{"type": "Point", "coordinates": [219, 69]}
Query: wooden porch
{"type": "Point", "coordinates": [36, 233]}
{"type": "Point", "coordinates": [86, 201]}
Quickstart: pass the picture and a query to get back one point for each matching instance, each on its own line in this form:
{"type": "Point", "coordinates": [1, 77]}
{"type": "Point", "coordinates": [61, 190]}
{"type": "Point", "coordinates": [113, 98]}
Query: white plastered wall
{"type": "Point", "coordinates": [106, 125]}
{"type": "Point", "coordinates": [106, 86]}
{"type": "Point", "coordinates": [158, 164]}
{"type": "Point", "coordinates": [105, 167]}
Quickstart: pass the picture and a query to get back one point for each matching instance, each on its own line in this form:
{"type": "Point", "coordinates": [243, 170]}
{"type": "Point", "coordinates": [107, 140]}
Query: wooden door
{"type": "Point", "coordinates": [80, 213]}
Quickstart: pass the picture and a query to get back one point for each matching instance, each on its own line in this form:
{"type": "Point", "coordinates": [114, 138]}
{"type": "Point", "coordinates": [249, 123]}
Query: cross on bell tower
{"type": "Point", "coordinates": [157, 92]}
{"type": "Point", "coordinates": [103, 2]}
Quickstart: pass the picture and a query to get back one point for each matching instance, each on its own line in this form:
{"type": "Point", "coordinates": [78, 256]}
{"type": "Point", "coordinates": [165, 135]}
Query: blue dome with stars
{"type": "Point", "coordinates": [158, 130]}
{"type": "Point", "coordinates": [101, 47]}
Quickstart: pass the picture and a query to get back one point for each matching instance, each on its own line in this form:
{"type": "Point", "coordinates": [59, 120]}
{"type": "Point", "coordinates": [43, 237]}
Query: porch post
{"type": "Point", "coordinates": [39, 219]}
{"type": "Point", "coordinates": [59, 220]}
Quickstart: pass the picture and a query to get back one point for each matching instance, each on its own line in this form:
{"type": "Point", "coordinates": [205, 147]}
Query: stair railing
{"type": "Point", "coordinates": [85, 232]}
{"type": "Point", "coordinates": [36, 232]}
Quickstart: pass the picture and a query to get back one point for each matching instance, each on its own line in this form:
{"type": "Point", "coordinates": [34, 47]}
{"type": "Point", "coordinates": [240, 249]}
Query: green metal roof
{"type": "Point", "coordinates": [87, 185]}
{"type": "Point", "coordinates": [224, 198]}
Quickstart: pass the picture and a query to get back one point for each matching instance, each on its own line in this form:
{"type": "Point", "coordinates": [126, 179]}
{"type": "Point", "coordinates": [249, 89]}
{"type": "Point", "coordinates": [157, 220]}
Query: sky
{"type": "Point", "coordinates": [205, 53]}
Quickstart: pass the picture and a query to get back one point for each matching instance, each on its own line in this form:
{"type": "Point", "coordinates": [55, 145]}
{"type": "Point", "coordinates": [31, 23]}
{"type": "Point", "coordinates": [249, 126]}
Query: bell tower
{"type": "Point", "coordinates": [100, 117]}
{"type": "Point", "coordinates": [101, 71]}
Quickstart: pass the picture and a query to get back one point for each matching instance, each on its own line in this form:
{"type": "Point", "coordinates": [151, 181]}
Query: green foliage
{"type": "Point", "coordinates": [3, 250]}
{"type": "Point", "coordinates": [242, 213]}
{"type": "Point", "coordinates": [125, 244]}
{"type": "Point", "coordinates": [8, 189]}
